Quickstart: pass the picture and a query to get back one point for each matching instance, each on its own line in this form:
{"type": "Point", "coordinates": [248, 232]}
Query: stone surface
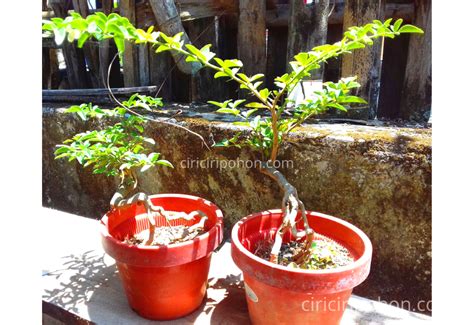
{"type": "Point", "coordinates": [82, 281]}
{"type": "Point", "coordinates": [378, 178]}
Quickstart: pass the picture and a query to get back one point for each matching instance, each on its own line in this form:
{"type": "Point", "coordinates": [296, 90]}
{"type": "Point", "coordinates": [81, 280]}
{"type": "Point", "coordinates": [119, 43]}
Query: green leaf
{"type": "Point", "coordinates": [338, 106]}
{"type": "Point", "coordinates": [397, 24]}
{"type": "Point", "coordinates": [59, 35]}
{"type": "Point", "coordinates": [237, 103]}
{"type": "Point", "coordinates": [256, 105]}
{"type": "Point", "coordinates": [165, 163]}
{"type": "Point", "coordinates": [82, 39]}
{"type": "Point", "coordinates": [120, 43]}
{"type": "Point", "coordinates": [353, 99]}
{"type": "Point", "coordinates": [241, 123]}
{"type": "Point", "coordinates": [232, 111]}
{"type": "Point", "coordinates": [410, 29]}
{"type": "Point", "coordinates": [247, 114]}
{"type": "Point", "coordinates": [220, 74]}
{"type": "Point", "coordinates": [149, 140]}
{"type": "Point", "coordinates": [355, 45]}
{"type": "Point", "coordinates": [218, 104]}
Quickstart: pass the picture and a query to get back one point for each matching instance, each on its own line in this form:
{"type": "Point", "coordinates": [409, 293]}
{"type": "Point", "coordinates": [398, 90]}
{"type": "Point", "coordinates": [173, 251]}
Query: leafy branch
{"type": "Point", "coordinates": [100, 26]}
{"type": "Point", "coordinates": [266, 133]}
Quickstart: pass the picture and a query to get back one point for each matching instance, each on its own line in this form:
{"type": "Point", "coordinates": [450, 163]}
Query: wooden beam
{"type": "Point", "coordinates": [130, 55]}
{"type": "Point", "coordinates": [364, 63]}
{"type": "Point", "coordinates": [107, 51]}
{"type": "Point", "coordinates": [204, 86]}
{"type": "Point", "coordinates": [277, 44]}
{"type": "Point", "coordinates": [160, 73]}
{"type": "Point", "coordinates": [169, 22]}
{"type": "Point", "coordinates": [144, 65]}
{"type": "Point", "coordinates": [251, 36]}
{"type": "Point", "coordinates": [97, 95]}
{"type": "Point", "coordinates": [91, 52]}
{"type": "Point", "coordinates": [46, 68]}
{"type": "Point", "coordinates": [99, 91]}
{"type": "Point", "coordinates": [278, 15]}
{"type": "Point", "coordinates": [74, 57]}
{"type": "Point", "coordinates": [393, 74]}
{"type": "Point", "coordinates": [227, 49]}
{"type": "Point", "coordinates": [308, 27]}
{"type": "Point", "coordinates": [416, 94]}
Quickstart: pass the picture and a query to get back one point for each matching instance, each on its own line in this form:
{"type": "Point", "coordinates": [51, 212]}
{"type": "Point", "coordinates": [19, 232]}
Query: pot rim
{"type": "Point", "coordinates": [213, 235]}
{"type": "Point", "coordinates": [359, 263]}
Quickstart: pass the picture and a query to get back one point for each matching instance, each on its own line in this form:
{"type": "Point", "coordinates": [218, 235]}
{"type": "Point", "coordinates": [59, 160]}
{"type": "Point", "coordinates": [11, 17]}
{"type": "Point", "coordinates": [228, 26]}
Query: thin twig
{"type": "Point", "coordinates": [146, 117]}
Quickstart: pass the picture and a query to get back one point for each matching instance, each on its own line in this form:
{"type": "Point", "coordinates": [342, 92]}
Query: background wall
{"type": "Point", "coordinates": [378, 178]}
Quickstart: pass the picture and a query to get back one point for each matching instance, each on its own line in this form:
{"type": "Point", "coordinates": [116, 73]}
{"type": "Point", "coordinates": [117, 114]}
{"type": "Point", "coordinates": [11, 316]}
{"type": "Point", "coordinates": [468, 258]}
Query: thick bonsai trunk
{"type": "Point", "coordinates": [123, 197]}
{"type": "Point", "coordinates": [291, 204]}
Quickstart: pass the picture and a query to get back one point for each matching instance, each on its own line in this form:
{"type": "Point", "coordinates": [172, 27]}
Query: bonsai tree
{"type": "Point", "coordinates": [122, 150]}
{"type": "Point", "coordinates": [267, 114]}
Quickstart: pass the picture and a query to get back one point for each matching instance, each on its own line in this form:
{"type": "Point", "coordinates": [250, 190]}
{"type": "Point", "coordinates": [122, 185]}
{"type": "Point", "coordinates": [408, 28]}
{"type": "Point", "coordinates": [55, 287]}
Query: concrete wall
{"type": "Point", "coordinates": [378, 178]}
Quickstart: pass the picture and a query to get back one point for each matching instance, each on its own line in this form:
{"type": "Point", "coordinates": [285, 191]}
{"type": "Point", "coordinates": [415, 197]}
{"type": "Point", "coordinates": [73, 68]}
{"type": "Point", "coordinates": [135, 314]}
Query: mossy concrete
{"type": "Point", "coordinates": [378, 178]}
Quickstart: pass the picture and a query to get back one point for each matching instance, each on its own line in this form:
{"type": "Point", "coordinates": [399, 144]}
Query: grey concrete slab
{"type": "Point", "coordinates": [81, 279]}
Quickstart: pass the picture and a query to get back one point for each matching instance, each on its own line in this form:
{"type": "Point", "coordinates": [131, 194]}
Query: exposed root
{"type": "Point", "coordinates": [121, 198]}
{"type": "Point", "coordinates": [291, 204]}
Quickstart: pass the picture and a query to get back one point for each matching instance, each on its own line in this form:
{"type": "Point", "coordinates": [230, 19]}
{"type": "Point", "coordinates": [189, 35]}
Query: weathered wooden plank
{"type": "Point", "coordinates": [94, 95]}
{"type": "Point", "coordinates": [277, 15]}
{"type": "Point", "coordinates": [393, 73]}
{"type": "Point", "coordinates": [74, 57]}
{"type": "Point", "coordinates": [99, 91]}
{"type": "Point", "coordinates": [91, 52]}
{"type": "Point", "coordinates": [416, 94]}
{"type": "Point", "coordinates": [130, 55]}
{"type": "Point", "coordinates": [307, 28]}
{"type": "Point", "coordinates": [276, 54]}
{"type": "Point", "coordinates": [227, 49]}
{"type": "Point", "coordinates": [46, 67]}
{"type": "Point", "coordinates": [251, 36]}
{"type": "Point", "coordinates": [332, 69]}
{"type": "Point", "coordinates": [364, 63]}
{"type": "Point", "coordinates": [107, 51]}
{"type": "Point", "coordinates": [169, 22]}
{"type": "Point", "coordinates": [204, 86]}
{"type": "Point", "coordinates": [143, 65]}
{"type": "Point", "coordinates": [160, 73]}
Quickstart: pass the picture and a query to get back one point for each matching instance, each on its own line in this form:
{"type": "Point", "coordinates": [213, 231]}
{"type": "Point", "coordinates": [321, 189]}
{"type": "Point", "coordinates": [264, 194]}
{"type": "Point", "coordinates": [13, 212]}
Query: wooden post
{"type": "Point", "coordinates": [169, 22]}
{"type": "Point", "coordinates": [130, 55]}
{"type": "Point", "coordinates": [107, 51]}
{"type": "Point", "coordinates": [74, 57]}
{"type": "Point", "coordinates": [91, 51]}
{"type": "Point", "coordinates": [160, 73]}
{"type": "Point", "coordinates": [393, 74]}
{"type": "Point", "coordinates": [364, 63]}
{"type": "Point", "coordinates": [227, 45]}
{"type": "Point", "coordinates": [46, 68]}
{"type": "Point", "coordinates": [204, 86]}
{"type": "Point", "coordinates": [251, 36]}
{"type": "Point", "coordinates": [416, 94]}
{"type": "Point", "coordinates": [307, 28]}
{"type": "Point", "coordinates": [143, 65]}
{"type": "Point", "coordinates": [276, 54]}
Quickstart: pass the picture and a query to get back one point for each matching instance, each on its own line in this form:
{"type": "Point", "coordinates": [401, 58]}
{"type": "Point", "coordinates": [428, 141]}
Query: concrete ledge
{"type": "Point", "coordinates": [79, 279]}
{"type": "Point", "coordinates": [378, 178]}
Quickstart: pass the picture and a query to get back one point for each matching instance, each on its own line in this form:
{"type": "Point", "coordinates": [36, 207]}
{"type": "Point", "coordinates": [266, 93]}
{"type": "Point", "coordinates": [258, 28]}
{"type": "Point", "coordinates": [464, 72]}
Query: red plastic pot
{"type": "Point", "coordinates": [280, 295]}
{"type": "Point", "coordinates": [163, 282]}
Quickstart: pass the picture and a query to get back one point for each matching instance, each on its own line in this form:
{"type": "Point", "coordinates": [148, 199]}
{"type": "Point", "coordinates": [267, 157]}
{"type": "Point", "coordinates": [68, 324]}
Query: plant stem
{"type": "Point", "coordinates": [290, 206]}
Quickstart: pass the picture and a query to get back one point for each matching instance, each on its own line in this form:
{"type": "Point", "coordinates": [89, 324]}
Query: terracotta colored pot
{"type": "Point", "coordinates": [280, 295]}
{"type": "Point", "coordinates": [163, 282]}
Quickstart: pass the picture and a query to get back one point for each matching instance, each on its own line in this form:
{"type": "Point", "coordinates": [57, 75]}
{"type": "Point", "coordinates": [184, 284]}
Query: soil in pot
{"type": "Point", "coordinates": [325, 253]}
{"type": "Point", "coordinates": [166, 235]}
